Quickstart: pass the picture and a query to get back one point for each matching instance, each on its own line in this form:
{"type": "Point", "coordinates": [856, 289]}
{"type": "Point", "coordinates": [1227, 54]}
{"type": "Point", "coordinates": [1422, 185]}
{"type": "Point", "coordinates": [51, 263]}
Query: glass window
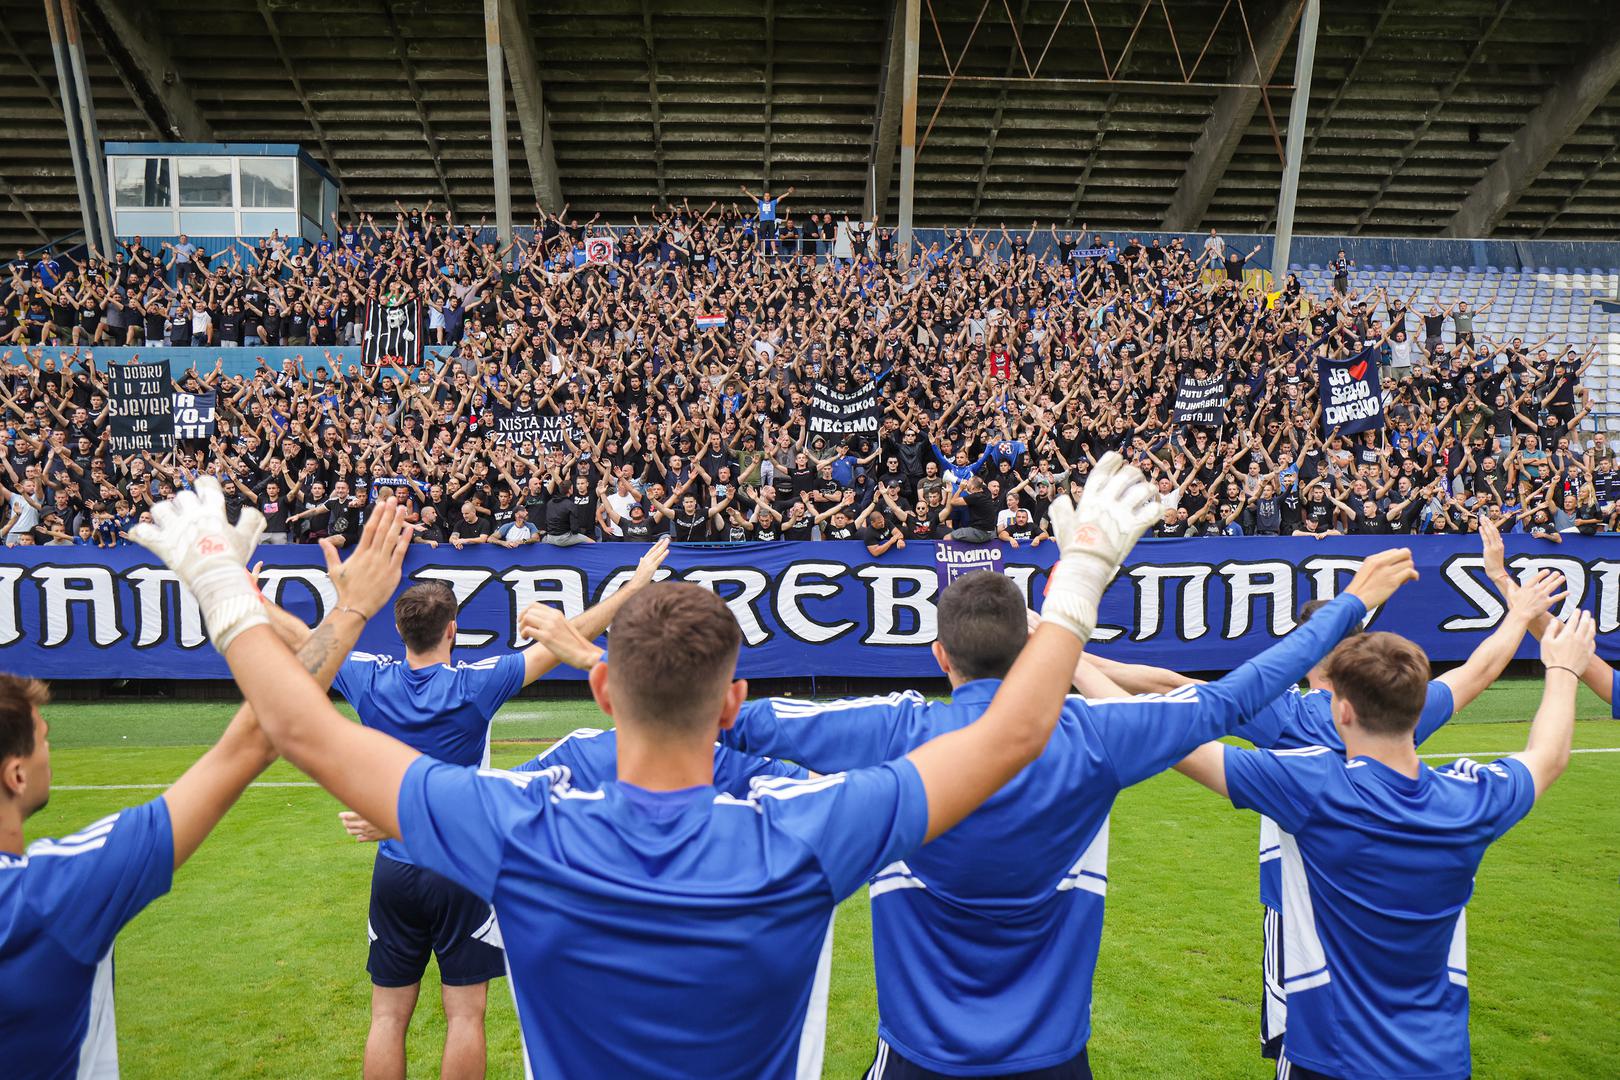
{"type": "Point", "coordinates": [267, 182]}
{"type": "Point", "coordinates": [204, 181]}
{"type": "Point", "coordinates": [309, 194]}
{"type": "Point", "coordinates": [141, 182]}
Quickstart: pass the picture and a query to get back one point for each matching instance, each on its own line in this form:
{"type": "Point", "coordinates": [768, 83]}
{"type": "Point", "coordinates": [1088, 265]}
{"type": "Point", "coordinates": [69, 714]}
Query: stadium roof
{"type": "Point", "coordinates": [1118, 113]}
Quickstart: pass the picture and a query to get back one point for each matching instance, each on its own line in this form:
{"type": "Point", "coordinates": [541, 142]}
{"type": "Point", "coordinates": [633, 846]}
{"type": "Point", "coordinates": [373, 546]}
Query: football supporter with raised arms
{"type": "Point", "coordinates": [656, 925]}
{"type": "Point", "coordinates": [985, 941]}
{"type": "Point", "coordinates": [1378, 853]}
{"type": "Point", "coordinates": [1298, 719]}
{"type": "Point", "coordinates": [63, 901]}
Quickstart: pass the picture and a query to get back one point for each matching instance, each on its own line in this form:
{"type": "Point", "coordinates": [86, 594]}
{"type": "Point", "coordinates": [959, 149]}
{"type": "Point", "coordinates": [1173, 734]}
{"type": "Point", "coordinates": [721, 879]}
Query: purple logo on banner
{"type": "Point", "coordinates": [953, 559]}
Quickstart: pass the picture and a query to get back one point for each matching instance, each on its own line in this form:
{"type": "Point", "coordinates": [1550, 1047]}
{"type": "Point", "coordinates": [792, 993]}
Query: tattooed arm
{"type": "Point", "coordinates": [199, 799]}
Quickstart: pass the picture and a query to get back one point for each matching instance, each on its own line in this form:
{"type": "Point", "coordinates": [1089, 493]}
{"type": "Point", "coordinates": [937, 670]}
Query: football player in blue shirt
{"type": "Point", "coordinates": [442, 709]}
{"type": "Point", "coordinates": [657, 926]}
{"type": "Point", "coordinates": [985, 941]}
{"type": "Point", "coordinates": [1379, 853]}
{"type": "Point", "coordinates": [63, 901]}
{"type": "Point", "coordinates": [1296, 719]}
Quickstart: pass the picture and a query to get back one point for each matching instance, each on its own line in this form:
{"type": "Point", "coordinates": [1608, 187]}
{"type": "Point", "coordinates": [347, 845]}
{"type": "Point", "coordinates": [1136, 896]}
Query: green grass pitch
{"type": "Point", "coordinates": [255, 964]}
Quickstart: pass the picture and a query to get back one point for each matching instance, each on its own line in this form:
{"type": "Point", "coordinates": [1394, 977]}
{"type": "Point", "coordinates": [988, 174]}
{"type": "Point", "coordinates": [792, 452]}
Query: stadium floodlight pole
{"type": "Point", "coordinates": [70, 117]}
{"type": "Point", "coordinates": [499, 155]}
{"type": "Point", "coordinates": [1298, 108]}
{"type": "Point", "coordinates": [908, 128]}
{"type": "Point", "coordinates": [102, 238]}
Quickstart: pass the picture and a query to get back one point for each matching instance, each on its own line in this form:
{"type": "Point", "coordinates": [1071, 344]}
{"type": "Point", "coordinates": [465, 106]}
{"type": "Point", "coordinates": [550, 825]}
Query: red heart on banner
{"type": "Point", "coordinates": [1358, 371]}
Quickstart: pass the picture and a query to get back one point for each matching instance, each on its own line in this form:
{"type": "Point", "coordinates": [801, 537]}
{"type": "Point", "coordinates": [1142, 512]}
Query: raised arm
{"type": "Point", "coordinates": [1566, 649]}
{"type": "Point", "coordinates": [360, 766]}
{"type": "Point", "coordinates": [594, 621]}
{"type": "Point", "coordinates": [961, 769]}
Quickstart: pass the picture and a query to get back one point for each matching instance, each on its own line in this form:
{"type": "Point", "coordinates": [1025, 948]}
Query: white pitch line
{"type": "Point", "coordinates": [1507, 753]}
{"type": "Point", "coordinates": [160, 787]}
{"type": "Point", "coordinates": [309, 784]}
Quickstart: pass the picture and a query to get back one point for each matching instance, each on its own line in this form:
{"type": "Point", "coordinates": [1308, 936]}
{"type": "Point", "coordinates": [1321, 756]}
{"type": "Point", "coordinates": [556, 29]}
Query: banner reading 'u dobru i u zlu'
{"type": "Point", "coordinates": [1351, 398]}
{"type": "Point", "coordinates": [820, 607]}
{"type": "Point", "coordinates": [393, 332]}
{"type": "Point", "coordinates": [140, 407]}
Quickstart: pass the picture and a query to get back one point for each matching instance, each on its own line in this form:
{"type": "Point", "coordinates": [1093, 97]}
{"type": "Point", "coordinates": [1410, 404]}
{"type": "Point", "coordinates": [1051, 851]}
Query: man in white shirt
{"type": "Point", "coordinates": [520, 530]}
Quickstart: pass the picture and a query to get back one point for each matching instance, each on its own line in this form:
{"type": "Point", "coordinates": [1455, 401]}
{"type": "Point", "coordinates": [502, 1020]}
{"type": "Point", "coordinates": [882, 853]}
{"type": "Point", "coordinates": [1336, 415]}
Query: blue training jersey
{"type": "Point", "coordinates": [668, 933]}
{"type": "Point", "coordinates": [1297, 720]}
{"type": "Point", "coordinates": [592, 758]}
{"type": "Point", "coordinates": [986, 940]}
{"type": "Point", "coordinates": [62, 903]}
{"type": "Point", "coordinates": [443, 711]}
{"type": "Point", "coordinates": [1376, 870]}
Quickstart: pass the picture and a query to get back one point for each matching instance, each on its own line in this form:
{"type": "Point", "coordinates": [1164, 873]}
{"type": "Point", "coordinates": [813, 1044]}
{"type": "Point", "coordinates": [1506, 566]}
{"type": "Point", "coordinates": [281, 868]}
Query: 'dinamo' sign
{"type": "Point", "coordinates": [813, 608]}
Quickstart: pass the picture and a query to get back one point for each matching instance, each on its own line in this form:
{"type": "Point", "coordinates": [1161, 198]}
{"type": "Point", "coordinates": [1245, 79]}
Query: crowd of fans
{"type": "Point", "coordinates": [1007, 362]}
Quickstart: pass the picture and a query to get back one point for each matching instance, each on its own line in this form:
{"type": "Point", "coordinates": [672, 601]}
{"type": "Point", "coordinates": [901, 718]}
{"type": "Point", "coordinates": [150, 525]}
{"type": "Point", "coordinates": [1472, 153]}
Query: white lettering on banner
{"type": "Point", "coordinates": [94, 588]}
{"type": "Point", "coordinates": [790, 590]}
{"type": "Point", "coordinates": [1245, 581]}
{"type": "Point", "coordinates": [10, 616]}
{"type": "Point", "coordinates": [1574, 572]}
{"type": "Point", "coordinates": [567, 591]}
{"type": "Point", "coordinates": [1325, 572]}
{"type": "Point", "coordinates": [272, 581]}
{"type": "Point", "coordinates": [153, 587]}
{"type": "Point", "coordinates": [887, 602]}
{"type": "Point", "coordinates": [753, 584]}
{"type": "Point", "coordinates": [84, 604]}
{"type": "Point", "coordinates": [463, 582]}
{"type": "Point", "coordinates": [1473, 589]}
{"type": "Point", "coordinates": [618, 578]}
{"type": "Point", "coordinates": [1153, 584]}
{"type": "Point", "coordinates": [1608, 596]}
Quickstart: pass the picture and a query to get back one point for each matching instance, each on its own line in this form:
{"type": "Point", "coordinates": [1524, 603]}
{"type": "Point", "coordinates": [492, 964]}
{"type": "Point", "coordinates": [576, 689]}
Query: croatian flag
{"type": "Point", "coordinates": [710, 322]}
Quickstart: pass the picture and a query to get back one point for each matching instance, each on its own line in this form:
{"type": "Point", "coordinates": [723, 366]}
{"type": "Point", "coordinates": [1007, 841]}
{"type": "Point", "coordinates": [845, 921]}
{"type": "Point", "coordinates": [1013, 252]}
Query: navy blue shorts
{"type": "Point", "coordinates": [415, 912]}
{"type": "Point", "coordinates": [889, 1065]}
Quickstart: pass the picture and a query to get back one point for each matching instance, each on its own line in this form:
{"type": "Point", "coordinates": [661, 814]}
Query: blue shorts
{"type": "Point", "coordinates": [415, 912]}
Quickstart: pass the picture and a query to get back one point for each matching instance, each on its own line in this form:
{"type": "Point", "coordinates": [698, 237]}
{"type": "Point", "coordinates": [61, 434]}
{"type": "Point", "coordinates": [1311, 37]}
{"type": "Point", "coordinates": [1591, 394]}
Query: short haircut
{"type": "Point", "coordinates": [672, 654]}
{"type": "Point", "coordinates": [1313, 606]}
{"type": "Point", "coordinates": [982, 624]}
{"type": "Point", "coordinates": [19, 697]}
{"type": "Point", "coordinates": [423, 613]}
{"type": "Point", "coordinates": [1384, 677]}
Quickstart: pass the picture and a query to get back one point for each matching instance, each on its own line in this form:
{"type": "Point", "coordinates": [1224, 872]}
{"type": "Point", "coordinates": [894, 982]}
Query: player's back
{"type": "Point", "coordinates": [1296, 720]}
{"type": "Point", "coordinates": [662, 933]}
{"type": "Point", "coordinates": [62, 904]}
{"type": "Point", "coordinates": [986, 939]}
{"type": "Point", "coordinates": [442, 710]}
{"type": "Point", "coordinates": [1376, 870]}
{"type": "Point", "coordinates": [592, 758]}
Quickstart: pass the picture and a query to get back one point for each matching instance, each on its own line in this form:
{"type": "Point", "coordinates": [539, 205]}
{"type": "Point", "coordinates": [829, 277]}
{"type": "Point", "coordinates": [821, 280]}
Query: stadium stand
{"type": "Point", "coordinates": [669, 384]}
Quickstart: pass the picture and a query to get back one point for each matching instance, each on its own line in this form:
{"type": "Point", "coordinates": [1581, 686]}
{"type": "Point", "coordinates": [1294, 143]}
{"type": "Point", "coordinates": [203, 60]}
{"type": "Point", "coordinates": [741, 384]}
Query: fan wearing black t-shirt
{"type": "Point", "coordinates": [981, 513]}
{"type": "Point", "coordinates": [473, 527]}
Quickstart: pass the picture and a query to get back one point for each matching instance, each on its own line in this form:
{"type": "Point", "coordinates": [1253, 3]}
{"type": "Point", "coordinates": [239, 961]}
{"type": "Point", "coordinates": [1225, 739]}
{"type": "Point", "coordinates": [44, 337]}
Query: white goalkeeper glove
{"type": "Point", "coordinates": [1116, 508]}
{"type": "Point", "coordinates": [209, 555]}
